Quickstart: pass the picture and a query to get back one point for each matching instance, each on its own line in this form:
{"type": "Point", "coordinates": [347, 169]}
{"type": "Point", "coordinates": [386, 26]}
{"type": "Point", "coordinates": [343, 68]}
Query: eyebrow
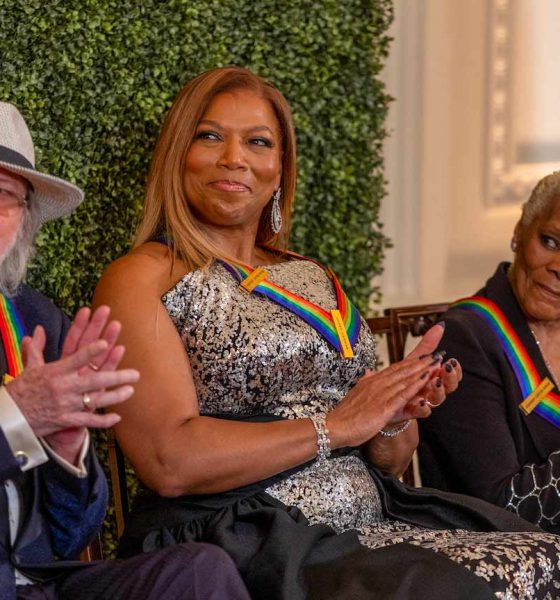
{"type": "Point", "coordinates": [220, 127]}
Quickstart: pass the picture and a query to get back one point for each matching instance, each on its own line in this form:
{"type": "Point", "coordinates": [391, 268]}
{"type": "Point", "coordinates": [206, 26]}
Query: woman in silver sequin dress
{"type": "Point", "coordinates": [227, 430]}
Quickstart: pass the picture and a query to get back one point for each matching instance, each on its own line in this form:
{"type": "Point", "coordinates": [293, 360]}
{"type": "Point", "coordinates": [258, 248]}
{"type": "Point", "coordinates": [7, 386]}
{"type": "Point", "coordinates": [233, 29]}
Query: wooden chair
{"type": "Point", "coordinates": [119, 488]}
{"type": "Point", "coordinates": [396, 325]}
{"type": "Point", "coordinates": [117, 470]}
{"type": "Point", "coordinates": [94, 551]}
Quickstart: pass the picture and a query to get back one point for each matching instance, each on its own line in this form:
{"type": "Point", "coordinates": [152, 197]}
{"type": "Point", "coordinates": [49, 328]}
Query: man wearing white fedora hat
{"type": "Point", "coordinates": [53, 494]}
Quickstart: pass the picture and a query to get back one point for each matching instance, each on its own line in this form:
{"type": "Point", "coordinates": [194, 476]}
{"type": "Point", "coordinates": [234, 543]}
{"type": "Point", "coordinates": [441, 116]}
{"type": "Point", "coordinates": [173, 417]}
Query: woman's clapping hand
{"type": "Point", "coordinates": [409, 389]}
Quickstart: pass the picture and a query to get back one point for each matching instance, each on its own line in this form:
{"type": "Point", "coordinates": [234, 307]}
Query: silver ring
{"type": "Point", "coordinates": [93, 367]}
{"type": "Point", "coordinates": [87, 402]}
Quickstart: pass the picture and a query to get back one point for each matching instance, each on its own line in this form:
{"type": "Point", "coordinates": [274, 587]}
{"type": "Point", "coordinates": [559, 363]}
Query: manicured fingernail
{"type": "Point", "coordinates": [453, 362]}
{"type": "Point", "coordinates": [438, 382]}
{"type": "Point", "coordinates": [438, 357]}
{"type": "Point", "coordinates": [422, 402]}
{"type": "Point", "coordinates": [448, 367]}
{"type": "Point", "coordinates": [441, 324]}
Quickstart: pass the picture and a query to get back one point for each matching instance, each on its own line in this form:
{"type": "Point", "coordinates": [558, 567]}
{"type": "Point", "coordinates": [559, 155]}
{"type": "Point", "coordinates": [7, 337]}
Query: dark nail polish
{"type": "Point", "coordinates": [438, 382]}
{"type": "Point", "coordinates": [422, 402]}
{"type": "Point", "coordinates": [441, 324]}
{"type": "Point", "coordinates": [453, 362]}
{"type": "Point", "coordinates": [448, 367]}
{"type": "Point", "coordinates": [438, 357]}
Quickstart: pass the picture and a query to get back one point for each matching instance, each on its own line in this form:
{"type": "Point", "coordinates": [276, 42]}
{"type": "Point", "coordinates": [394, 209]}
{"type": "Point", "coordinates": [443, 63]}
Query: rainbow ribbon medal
{"type": "Point", "coordinates": [538, 395]}
{"type": "Point", "coordinates": [12, 330]}
{"type": "Point", "coordinates": [340, 327]}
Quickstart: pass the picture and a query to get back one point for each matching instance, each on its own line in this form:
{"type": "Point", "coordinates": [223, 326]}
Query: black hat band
{"type": "Point", "coordinates": [15, 158]}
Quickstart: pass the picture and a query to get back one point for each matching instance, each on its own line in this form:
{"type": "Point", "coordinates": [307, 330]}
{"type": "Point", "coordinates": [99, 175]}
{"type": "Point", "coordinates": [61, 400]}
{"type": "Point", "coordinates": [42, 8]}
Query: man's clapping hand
{"type": "Point", "coordinates": [53, 396]}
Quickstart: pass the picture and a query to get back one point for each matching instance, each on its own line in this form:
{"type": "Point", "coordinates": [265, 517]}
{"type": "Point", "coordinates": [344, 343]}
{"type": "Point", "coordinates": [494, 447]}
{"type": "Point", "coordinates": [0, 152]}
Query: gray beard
{"type": "Point", "coordinates": [14, 261]}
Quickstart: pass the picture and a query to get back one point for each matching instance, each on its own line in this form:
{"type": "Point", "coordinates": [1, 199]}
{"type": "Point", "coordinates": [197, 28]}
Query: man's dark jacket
{"type": "Point", "coordinates": [60, 513]}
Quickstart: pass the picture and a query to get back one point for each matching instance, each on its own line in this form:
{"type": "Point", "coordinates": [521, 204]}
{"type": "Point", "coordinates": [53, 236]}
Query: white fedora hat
{"type": "Point", "coordinates": [53, 197]}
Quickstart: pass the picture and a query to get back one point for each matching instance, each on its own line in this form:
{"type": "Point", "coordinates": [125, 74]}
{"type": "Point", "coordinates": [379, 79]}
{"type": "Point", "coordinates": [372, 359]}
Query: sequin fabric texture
{"type": "Point", "coordinates": [249, 355]}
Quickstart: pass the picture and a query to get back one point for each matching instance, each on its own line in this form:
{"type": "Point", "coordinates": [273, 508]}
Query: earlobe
{"type": "Point", "coordinates": [514, 244]}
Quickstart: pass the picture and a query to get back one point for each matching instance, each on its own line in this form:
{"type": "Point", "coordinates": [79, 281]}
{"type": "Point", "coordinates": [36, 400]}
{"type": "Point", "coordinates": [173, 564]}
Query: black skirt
{"type": "Point", "coordinates": [281, 556]}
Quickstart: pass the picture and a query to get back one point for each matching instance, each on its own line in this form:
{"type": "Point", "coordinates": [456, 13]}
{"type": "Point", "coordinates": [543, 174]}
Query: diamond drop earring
{"type": "Point", "coordinates": [275, 214]}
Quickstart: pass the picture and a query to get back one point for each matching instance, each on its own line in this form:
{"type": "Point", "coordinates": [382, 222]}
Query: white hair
{"type": "Point", "coordinates": [541, 200]}
{"type": "Point", "coordinates": [13, 264]}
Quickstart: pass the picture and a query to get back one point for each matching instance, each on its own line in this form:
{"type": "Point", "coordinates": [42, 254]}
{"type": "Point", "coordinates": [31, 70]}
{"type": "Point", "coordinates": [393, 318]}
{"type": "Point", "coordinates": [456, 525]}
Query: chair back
{"type": "Point", "coordinates": [396, 325]}
{"type": "Point", "coordinates": [117, 470]}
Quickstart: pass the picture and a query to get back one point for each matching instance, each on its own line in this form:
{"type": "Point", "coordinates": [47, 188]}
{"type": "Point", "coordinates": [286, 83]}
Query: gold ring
{"type": "Point", "coordinates": [93, 367]}
{"type": "Point", "coordinates": [87, 402]}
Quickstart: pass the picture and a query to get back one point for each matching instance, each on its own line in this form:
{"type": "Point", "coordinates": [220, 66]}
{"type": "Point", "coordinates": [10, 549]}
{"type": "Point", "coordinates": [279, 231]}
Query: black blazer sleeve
{"type": "Point", "coordinates": [9, 468]}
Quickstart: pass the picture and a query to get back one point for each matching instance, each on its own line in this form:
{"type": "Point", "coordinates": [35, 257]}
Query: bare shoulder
{"type": "Point", "coordinates": [148, 268]}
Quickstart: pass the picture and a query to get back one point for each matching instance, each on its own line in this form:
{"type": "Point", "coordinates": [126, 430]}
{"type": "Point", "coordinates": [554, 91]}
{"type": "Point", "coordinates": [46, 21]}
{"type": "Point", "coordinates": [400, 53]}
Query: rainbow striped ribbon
{"type": "Point", "coordinates": [525, 371]}
{"type": "Point", "coordinates": [12, 331]}
{"type": "Point", "coordinates": [320, 319]}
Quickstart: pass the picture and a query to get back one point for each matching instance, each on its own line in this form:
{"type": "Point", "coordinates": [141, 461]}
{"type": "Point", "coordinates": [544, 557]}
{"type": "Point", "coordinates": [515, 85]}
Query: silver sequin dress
{"type": "Point", "coordinates": [250, 355]}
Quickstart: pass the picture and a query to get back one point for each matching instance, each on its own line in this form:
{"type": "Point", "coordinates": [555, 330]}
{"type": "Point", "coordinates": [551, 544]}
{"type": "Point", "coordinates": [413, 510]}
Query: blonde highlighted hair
{"type": "Point", "coordinates": [166, 208]}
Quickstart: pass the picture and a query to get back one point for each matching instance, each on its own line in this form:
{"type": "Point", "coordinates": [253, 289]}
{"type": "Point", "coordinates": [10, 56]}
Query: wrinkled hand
{"type": "Point", "coordinates": [87, 328]}
{"type": "Point", "coordinates": [388, 396]}
{"type": "Point", "coordinates": [50, 396]}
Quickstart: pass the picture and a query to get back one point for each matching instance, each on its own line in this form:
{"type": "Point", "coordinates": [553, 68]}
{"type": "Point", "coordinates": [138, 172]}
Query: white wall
{"type": "Point", "coordinates": [462, 126]}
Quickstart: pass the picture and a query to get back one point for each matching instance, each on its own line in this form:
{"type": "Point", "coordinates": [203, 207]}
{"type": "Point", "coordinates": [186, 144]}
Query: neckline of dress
{"type": "Point", "coordinates": [339, 326]}
{"type": "Point", "coordinates": [544, 357]}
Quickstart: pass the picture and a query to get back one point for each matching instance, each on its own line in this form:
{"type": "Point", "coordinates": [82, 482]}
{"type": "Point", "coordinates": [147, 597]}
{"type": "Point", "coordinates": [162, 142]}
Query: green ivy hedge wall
{"type": "Point", "coordinates": [94, 78]}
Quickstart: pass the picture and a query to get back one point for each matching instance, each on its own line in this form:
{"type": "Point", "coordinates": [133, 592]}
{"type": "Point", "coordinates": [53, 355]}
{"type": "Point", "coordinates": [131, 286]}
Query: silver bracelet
{"type": "Point", "coordinates": [395, 432]}
{"type": "Point", "coordinates": [323, 441]}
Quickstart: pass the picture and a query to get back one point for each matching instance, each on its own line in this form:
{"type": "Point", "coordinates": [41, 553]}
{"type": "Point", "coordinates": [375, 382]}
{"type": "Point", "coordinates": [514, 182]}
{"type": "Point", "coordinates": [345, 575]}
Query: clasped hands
{"type": "Point", "coordinates": [409, 389]}
{"type": "Point", "coordinates": [51, 395]}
